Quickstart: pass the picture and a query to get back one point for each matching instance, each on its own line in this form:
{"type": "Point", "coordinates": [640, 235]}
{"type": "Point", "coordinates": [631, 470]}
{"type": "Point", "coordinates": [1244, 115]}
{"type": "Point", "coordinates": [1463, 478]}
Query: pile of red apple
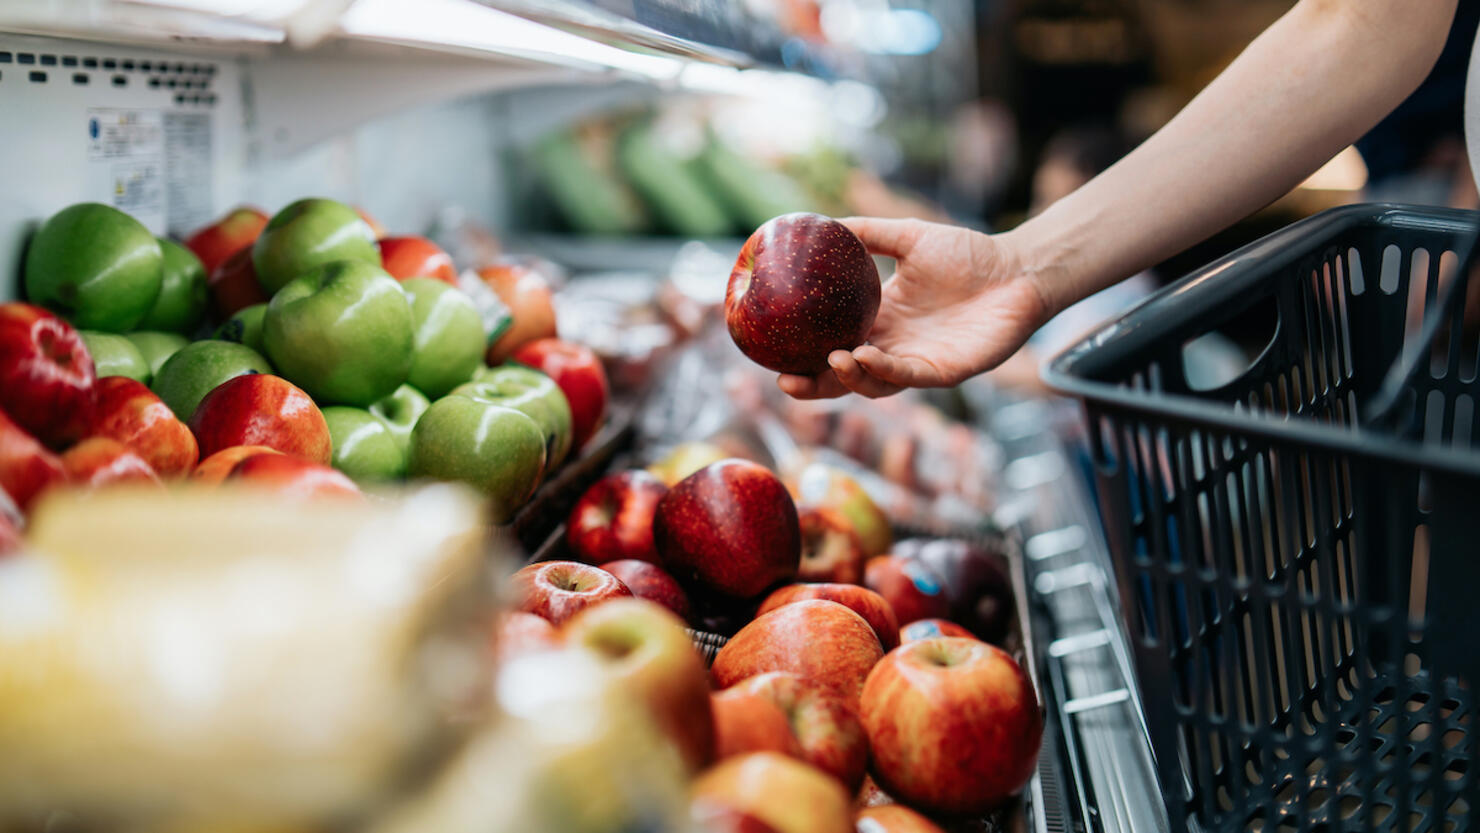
{"type": "Point", "coordinates": [306, 350]}
{"type": "Point", "coordinates": [820, 710]}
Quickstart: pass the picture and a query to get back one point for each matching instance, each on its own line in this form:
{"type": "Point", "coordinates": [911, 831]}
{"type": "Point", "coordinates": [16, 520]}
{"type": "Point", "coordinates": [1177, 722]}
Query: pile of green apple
{"type": "Point", "coordinates": [375, 330]}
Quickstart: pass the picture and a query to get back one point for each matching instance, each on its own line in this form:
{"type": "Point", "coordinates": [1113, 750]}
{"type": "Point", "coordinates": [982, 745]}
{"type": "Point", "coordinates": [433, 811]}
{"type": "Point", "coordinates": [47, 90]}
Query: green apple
{"type": "Point", "coordinates": [400, 411]}
{"type": "Point", "coordinates": [244, 327]}
{"type": "Point", "coordinates": [498, 450]}
{"type": "Point", "coordinates": [182, 291]}
{"type": "Point", "coordinates": [196, 370]}
{"type": "Point", "coordinates": [342, 332]}
{"type": "Point", "coordinates": [364, 447]}
{"type": "Point", "coordinates": [450, 339]}
{"type": "Point", "coordinates": [528, 390]}
{"type": "Point", "coordinates": [114, 355]}
{"type": "Point", "coordinates": [96, 266]}
{"type": "Point", "coordinates": [157, 347]}
{"type": "Point", "coordinates": [307, 234]}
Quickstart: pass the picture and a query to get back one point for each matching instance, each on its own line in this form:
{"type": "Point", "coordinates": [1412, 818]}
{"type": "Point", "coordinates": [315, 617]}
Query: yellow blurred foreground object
{"type": "Point", "coordinates": [231, 659]}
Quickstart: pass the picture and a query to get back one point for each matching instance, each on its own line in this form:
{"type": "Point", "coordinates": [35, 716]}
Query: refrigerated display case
{"type": "Point", "coordinates": [176, 110]}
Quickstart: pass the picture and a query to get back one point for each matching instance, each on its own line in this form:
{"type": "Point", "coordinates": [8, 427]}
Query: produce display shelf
{"type": "Point", "coordinates": [1096, 772]}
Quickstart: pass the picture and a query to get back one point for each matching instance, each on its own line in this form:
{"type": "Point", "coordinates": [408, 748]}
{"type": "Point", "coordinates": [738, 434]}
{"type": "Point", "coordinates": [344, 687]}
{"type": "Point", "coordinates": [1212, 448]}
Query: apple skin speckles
{"type": "Point", "coordinates": [802, 287]}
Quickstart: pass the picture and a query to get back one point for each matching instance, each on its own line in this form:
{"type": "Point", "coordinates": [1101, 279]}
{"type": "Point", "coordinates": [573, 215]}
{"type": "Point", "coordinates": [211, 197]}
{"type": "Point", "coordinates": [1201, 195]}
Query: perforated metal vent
{"type": "Point", "coordinates": [136, 128]}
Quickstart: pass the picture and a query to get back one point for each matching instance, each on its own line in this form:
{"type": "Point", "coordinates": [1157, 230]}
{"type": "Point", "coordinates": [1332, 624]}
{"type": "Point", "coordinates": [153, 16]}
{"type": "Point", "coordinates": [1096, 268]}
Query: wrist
{"type": "Point", "coordinates": [1040, 261]}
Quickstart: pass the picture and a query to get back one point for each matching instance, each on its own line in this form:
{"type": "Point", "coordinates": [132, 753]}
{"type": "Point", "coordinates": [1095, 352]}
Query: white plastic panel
{"type": "Point", "coordinates": [139, 129]}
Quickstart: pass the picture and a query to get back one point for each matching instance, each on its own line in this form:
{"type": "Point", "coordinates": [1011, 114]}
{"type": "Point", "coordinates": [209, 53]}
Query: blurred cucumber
{"type": "Point", "coordinates": [671, 189]}
{"type": "Point", "coordinates": [752, 194]}
{"type": "Point", "coordinates": [591, 199]}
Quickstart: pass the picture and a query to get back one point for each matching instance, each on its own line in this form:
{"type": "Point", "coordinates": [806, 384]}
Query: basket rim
{"type": "Point", "coordinates": [1164, 314]}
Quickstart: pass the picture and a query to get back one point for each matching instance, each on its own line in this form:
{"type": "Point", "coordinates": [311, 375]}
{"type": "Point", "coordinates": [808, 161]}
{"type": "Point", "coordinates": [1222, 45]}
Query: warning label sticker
{"type": "Point", "coordinates": [130, 145]}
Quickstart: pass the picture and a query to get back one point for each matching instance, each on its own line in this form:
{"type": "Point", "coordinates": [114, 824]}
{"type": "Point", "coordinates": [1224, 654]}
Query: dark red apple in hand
{"type": "Point", "coordinates": [829, 735]}
{"type": "Point", "coordinates": [579, 374]}
{"type": "Point", "coordinates": [217, 467]}
{"type": "Point", "coordinates": [46, 374]}
{"type": "Point", "coordinates": [27, 468]}
{"type": "Point", "coordinates": [262, 409]}
{"type": "Point", "coordinates": [294, 477]}
{"type": "Point", "coordinates": [129, 412]}
{"type": "Point", "coordinates": [519, 633]}
{"type": "Point", "coordinates": [861, 600]}
{"type": "Point", "coordinates": [804, 286]}
{"type": "Point", "coordinates": [820, 641]}
{"type": "Point", "coordinates": [730, 527]}
{"type": "Point", "coordinates": [558, 590]}
{"type": "Point", "coordinates": [648, 581]}
{"type": "Point", "coordinates": [416, 257]}
{"type": "Point", "coordinates": [613, 520]}
{"type": "Point", "coordinates": [831, 550]}
{"type": "Point", "coordinates": [953, 724]}
{"type": "Point", "coordinates": [100, 461]}
{"type": "Point", "coordinates": [233, 285]}
{"type": "Point", "coordinates": [931, 629]}
{"type": "Point", "coordinates": [911, 588]}
{"type": "Point", "coordinates": [227, 236]}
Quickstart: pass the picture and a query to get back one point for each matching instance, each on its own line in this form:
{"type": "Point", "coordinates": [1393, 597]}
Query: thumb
{"type": "Point", "coordinates": [891, 238]}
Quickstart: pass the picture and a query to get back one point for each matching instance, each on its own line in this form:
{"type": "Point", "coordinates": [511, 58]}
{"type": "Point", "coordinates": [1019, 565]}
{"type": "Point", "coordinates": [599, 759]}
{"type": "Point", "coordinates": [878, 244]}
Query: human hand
{"type": "Point", "coordinates": [959, 303]}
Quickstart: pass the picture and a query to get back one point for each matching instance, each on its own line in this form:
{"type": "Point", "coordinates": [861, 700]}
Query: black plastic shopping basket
{"type": "Point", "coordinates": [1298, 549]}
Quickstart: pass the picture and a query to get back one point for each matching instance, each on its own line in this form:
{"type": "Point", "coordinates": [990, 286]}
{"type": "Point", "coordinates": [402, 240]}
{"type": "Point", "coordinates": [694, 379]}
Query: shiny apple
{"type": "Point", "coordinates": [648, 581]}
{"type": "Point", "coordinates": [781, 791]}
{"type": "Point", "coordinates": [613, 520]}
{"type": "Point", "coordinates": [913, 590]}
{"type": "Point", "coordinates": [27, 468]}
{"type": "Point", "coordinates": [294, 477]}
{"type": "Point", "coordinates": [46, 374]}
{"type": "Point", "coordinates": [820, 641]}
{"type": "Point", "coordinates": [861, 600]}
{"type": "Point", "coordinates": [101, 461]}
{"type": "Point", "coordinates": [828, 734]}
{"type": "Point", "coordinates": [558, 590]}
{"type": "Point", "coordinates": [129, 412]}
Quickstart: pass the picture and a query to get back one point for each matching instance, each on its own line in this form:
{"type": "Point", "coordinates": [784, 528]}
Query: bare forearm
{"type": "Point", "coordinates": [1313, 83]}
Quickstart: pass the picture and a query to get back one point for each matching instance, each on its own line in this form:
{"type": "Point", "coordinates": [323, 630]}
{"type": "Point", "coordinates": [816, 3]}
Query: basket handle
{"type": "Point", "coordinates": [1386, 406]}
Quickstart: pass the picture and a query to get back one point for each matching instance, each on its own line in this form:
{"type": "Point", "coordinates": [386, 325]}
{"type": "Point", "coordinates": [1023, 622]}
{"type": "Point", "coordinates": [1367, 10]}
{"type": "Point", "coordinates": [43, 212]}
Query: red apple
{"type": "Point", "coordinates": [416, 257]}
{"type": "Point", "coordinates": [831, 550]}
{"type": "Point", "coordinates": [10, 537]}
{"type": "Point", "coordinates": [931, 629]}
{"type": "Point", "coordinates": [521, 633]}
{"type": "Point", "coordinates": [129, 412]}
{"type": "Point", "coordinates": [975, 580]}
{"type": "Point", "coordinates": [954, 725]}
{"type": "Point", "coordinates": [527, 295]}
{"type": "Point", "coordinates": [649, 652]}
{"type": "Point", "coordinates": [861, 600]}
{"type": "Point", "coordinates": [234, 286]}
{"type": "Point", "coordinates": [217, 467]}
{"type": "Point", "coordinates": [785, 793]}
{"type": "Point", "coordinates": [613, 520]}
{"type": "Point", "coordinates": [46, 374]}
{"type": "Point", "coordinates": [803, 286]}
{"type": "Point", "coordinates": [294, 476]}
{"type": "Point", "coordinates": [911, 588]}
{"type": "Point", "coordinates": [227, 236]}
{"type": "Point", "coordinates": [262, 409]}
{"type": "Point", "coordinates": [749, 721]}
{"type": "Point", "coordinates": [818, 640]}
{"type": "Point", "coordinates": [580, 376]}
{"type": "Point", "coordinates": [730, 527]}
{"type": "Point", "coordinates": [893, 818]}
{"type": "Point", "coordinates": [822, 485]}
{"type": "Point", "coordinates": [648, 581]}
{"type": "Point", "coordinates": [828, 733]}
{"type": "Point", "coordinates": [558, 590]}
{"type": "Point", "coordinates": [101, 461]}
{"type": "Point", "coordinates": [27, 468]}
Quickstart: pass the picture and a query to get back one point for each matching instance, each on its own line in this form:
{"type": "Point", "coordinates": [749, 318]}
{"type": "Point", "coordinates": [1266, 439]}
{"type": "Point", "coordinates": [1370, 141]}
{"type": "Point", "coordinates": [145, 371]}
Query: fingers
{"type": "Point", "coordinates": [898, 371]}
{"type": "Point", "coordinates": [854, 377]}
{"type": "Point", "coordinates": [891, 238]}
{"type": "Point", "coordinates": [822, 386]}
